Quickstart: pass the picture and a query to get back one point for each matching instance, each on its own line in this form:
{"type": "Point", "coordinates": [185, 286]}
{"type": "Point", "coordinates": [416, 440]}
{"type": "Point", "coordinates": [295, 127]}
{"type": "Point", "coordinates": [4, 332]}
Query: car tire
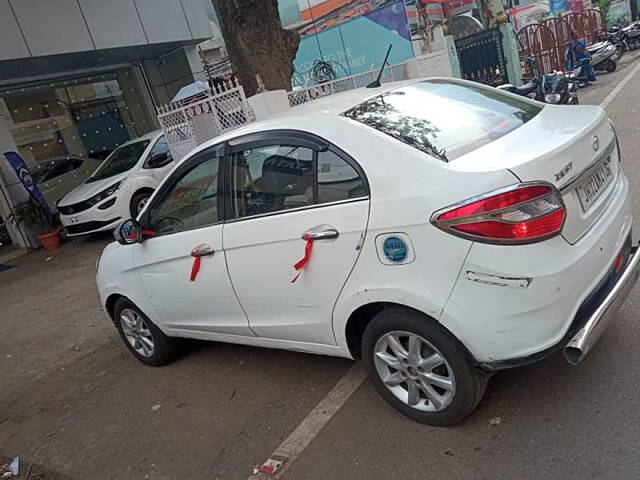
{"type": "Point", "coordinates": [162, 349]}
{"type": "Point", "coordinates": [436, 405]}
{"type": "Point", "coordinates": [138, 201]}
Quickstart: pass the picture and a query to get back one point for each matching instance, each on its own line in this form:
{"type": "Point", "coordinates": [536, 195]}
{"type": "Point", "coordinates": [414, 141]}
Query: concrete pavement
{"type": "Point", "coordinates": [76, 403]}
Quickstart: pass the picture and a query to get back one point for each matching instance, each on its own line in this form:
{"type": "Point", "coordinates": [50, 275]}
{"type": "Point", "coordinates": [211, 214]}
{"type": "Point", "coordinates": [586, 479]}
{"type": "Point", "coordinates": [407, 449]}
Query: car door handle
{"type": "Point", "coordinates": [202, 251]}
{"type": "Point", "coordinates": [325, 234]}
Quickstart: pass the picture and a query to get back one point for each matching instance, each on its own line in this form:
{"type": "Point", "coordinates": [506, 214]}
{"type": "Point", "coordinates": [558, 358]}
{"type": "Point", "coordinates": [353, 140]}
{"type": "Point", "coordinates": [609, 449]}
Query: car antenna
{"type": "Point", "coordinates": [376, 83]}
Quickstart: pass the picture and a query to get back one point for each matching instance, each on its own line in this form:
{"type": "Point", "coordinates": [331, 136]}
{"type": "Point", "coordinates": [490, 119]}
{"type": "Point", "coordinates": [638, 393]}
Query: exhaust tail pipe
{"type": "Point", "coordinates": [573, 355]}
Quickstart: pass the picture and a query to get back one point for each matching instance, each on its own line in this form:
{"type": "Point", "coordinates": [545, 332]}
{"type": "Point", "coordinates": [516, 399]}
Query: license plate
{"type": "Point", "coordinates": [590, 189]}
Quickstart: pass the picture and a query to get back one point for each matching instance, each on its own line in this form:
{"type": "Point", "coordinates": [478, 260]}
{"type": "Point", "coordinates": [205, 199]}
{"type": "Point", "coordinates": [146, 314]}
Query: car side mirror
{"type": "Point", "coordinates": [128, 232]}
{"type": "Point", "coordinates": [159, 160]}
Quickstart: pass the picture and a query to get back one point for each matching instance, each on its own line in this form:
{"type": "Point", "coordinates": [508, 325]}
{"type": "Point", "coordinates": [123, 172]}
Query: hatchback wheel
{"type": "Point", "coordinates": [146, 341]}
{"type": "Point", "coordinates": [138, 202]}
{"type": "Point", "coordinates": [420, 368]}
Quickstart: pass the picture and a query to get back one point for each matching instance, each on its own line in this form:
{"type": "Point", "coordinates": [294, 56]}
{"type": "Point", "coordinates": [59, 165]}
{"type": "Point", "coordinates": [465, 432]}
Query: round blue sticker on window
{"type": "Point", "coordinates": [395, 249]}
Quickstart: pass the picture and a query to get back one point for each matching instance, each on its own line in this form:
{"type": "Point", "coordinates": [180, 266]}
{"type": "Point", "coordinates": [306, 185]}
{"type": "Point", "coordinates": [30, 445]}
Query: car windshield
{"type": "Point", "coordinates": [55, 169]}
{"type": "Point", "coordinates": [121, 160]}
{"type": "Point", "coordinates": [442, 118]}
{"type": "Point", "coordinates": [552, 82]}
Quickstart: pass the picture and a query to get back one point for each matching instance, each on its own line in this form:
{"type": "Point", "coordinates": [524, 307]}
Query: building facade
{"type": "Point", "coordinates": [80, 77]}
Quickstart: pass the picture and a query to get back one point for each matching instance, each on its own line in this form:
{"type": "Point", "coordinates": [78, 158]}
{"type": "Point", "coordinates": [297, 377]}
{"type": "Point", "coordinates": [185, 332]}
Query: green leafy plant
{"type": "Point", "coordinates": [603, 5]}
{"type": "Point", "coordinates": [31, 215]}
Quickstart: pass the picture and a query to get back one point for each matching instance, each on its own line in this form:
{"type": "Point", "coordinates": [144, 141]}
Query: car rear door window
{"type": "Point", "coordinates": [443, 118]}
{"type": "Point", "coordinates": [337, 179]}
{"type": "Point", "coordinates": [272, 178]}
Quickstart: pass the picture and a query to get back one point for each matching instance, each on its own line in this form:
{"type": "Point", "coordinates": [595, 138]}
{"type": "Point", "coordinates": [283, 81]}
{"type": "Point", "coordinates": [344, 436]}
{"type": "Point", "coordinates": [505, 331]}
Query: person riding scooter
{"type": "Point", "coordinates": [577, 52]}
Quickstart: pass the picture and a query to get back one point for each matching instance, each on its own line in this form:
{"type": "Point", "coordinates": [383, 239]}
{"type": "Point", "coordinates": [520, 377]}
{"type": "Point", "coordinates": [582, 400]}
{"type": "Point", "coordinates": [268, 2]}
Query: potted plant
{"type": "Point", "coordinates": [31, 215]}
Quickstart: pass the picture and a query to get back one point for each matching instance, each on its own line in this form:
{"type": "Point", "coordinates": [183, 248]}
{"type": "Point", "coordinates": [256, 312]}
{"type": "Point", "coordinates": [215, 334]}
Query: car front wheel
{"type": "Point", "coordinates": [146, 341]}
{"type": "Point", "coordinates": [420, 368]}
{"type": "Point", "coordinates": [138, 202]}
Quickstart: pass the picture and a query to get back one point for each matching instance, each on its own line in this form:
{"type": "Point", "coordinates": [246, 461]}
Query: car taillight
{"type": "Point", "coordinates": [520, 214]}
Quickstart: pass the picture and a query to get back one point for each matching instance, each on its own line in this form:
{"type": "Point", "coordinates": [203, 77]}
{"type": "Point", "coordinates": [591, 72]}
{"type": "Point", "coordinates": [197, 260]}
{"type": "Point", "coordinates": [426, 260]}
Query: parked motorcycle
{"type": "Point", "coordinates": [616, 36]}
{"type": "Point", "coordinates": [555, 88]}
{"type": "Point", "coordinates": [631, 35]}
{"type": "Point", "coordinates": [604, 56]}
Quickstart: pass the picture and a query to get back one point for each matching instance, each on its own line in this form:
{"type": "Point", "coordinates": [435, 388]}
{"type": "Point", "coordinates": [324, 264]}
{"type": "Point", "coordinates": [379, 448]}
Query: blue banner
{"type": "Point", "coordinates": [22, 171]}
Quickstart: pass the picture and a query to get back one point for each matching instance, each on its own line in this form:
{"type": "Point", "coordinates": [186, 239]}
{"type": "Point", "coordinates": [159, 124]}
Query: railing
{"type": "Point", "coordinates": [391, 73]}
{"type": "Point", "coordinates": [187, 124]}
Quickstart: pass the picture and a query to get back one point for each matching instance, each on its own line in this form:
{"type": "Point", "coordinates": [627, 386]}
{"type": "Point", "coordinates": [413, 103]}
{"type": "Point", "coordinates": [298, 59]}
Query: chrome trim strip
{"type": "Point", "coordinates": [592, 166]}
{"type": "Point", "coordinates": [298, 209]}
{"type": "Point", "coordinates": [587, 336]}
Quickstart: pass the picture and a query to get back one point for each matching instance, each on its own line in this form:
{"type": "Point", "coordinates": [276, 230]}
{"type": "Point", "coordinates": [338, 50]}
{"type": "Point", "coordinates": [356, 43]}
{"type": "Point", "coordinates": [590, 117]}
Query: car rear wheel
{"type": "Point", "coordinates": [146, 341]}
{"type": "Point", "coordinates": [420, 368]}
{"type": "Point", "coordinates": [138, 202]}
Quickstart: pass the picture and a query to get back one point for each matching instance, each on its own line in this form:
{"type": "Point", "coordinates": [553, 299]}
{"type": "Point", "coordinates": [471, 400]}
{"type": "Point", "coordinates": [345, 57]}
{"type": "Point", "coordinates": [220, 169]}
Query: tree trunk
{"type": "Point", "coordinates": [257, 44]}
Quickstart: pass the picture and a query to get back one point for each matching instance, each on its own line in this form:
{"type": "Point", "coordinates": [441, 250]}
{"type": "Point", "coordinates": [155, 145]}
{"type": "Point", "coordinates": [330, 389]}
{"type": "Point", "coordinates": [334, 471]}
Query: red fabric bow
{"type": "Point", "coordinates": [302, 263]}
{"type": "Point", "coordinates": [195, 268]}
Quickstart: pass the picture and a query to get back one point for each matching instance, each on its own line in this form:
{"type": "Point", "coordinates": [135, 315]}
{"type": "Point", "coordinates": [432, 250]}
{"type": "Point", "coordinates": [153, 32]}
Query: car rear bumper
{"type": "Point", "coordinates": [594, 316]}
{"type": "Point", "coordinates": [514, 305]}
{"type": "Point", "coordinates": [598, 322]}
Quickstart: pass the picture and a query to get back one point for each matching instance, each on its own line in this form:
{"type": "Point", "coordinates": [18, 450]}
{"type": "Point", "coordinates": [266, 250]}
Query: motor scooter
{"type": "Point", "coordinates": [604, 56]}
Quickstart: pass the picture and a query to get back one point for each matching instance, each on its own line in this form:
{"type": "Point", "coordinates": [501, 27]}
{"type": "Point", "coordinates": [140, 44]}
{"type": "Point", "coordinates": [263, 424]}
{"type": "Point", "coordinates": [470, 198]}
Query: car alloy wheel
{"type": "Point", "coordinates": [141, 204]}
{"type": "Point", "coordinates": [137, 332]}
{"type": "Point", "coordinates": [414, 371]}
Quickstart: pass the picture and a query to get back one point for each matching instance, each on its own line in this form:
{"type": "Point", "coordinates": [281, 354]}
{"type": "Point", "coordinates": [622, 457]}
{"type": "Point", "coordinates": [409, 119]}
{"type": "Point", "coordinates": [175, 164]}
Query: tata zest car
{"type": "Point", "coordinates": [438, 230]}
{"type": "Point", "coordinates": [119, 188]}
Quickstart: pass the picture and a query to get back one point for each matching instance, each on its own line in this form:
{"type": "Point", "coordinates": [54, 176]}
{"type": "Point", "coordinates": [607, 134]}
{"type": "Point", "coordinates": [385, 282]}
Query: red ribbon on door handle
{"type": "Point", "coordinates": [302, 263]}
{"type": "Point", "coordinates": [195, 268]}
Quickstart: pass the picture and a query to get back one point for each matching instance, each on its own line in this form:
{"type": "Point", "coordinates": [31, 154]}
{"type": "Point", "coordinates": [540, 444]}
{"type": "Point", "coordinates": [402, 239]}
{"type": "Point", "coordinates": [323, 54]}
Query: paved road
{"type": "Point", "coordinates": [75, 402]}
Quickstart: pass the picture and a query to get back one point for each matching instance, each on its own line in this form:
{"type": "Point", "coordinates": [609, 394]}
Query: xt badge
{"type": "Point", "coordinates": [566, 169]}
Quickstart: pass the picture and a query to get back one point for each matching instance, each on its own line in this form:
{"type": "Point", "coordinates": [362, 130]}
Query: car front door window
{"type": "Point", "coordinates": [191, 202]}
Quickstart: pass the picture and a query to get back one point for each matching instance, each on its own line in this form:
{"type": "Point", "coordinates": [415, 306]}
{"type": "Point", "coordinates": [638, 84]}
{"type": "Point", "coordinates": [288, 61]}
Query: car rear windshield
{"type": "Point", "coordinates": [442, 118]}
{"type": "Point", "coordinates": [119, 161]}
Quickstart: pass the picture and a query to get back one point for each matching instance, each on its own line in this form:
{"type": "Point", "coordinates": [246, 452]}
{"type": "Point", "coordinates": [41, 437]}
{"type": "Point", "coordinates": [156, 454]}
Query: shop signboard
{"type": "Point", "coordinates": [353, 37]}
{"type": "Point", "coordinates": [533, 13]}
{"type": "Point", "coordinates": [619, 12]}
{"type": "Point", "coordinates": [457, 7]}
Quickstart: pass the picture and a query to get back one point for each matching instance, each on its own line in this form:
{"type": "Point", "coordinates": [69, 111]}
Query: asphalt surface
{"type": "Point", "coordinates": [75, 403]}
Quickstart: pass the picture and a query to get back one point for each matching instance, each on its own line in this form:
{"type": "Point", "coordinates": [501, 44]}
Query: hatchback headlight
{"type": "Point", "coordinates": [106, 193]}
{"type": "Point", "coordinates": [552, 98]}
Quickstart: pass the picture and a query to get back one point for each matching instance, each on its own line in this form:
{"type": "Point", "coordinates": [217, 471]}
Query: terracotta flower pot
{"type": "Point", "coordinates": [50, 241]}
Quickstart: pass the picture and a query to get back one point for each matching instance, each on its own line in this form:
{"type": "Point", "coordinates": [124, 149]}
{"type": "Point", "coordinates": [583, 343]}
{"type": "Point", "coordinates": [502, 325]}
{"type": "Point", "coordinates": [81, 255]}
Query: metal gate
{"type": "Point", "coordinates": [538, 41]}
{"type": "Point", "coordinates": [482, 58]}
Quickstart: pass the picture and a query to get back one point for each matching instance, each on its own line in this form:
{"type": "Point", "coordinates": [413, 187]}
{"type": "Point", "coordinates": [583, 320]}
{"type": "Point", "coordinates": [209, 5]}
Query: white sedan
{"type": "Point", "coordinates": [119, 188]}
{"type": "Point", "coordinates": [438, 230]}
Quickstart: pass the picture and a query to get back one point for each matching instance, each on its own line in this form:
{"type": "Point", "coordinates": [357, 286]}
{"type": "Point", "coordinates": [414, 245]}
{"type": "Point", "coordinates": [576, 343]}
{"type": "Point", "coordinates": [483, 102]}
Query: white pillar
{"type": "Point", "coordinates": [270, 103]}
{"type": "Point", "coordinates": [11, 190]}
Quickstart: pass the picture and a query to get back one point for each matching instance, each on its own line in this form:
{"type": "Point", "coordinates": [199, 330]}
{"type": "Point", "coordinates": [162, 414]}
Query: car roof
{"type": "Point", "coordinates": [340, 102]}
{"type": "Point", "coordinates": [308, 114]}
{"type": "Point", "coordinates": [146, 136]}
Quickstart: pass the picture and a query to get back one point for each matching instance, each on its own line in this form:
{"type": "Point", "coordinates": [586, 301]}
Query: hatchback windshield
{"type": "Point", "coordinates": [121, 160]}
{"type": "Point", "coordinates": [442, 118]}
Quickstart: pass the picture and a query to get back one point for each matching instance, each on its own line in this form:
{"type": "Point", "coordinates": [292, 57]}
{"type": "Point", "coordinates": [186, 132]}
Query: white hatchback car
{"type": "Point", "coordinates": [119, 188]}
{"type": "Point", "coordinates": [439, 230]}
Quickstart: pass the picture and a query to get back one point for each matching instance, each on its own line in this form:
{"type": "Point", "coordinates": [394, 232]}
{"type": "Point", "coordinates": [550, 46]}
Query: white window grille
{"type": "Point", "coordinates": [193, 121]}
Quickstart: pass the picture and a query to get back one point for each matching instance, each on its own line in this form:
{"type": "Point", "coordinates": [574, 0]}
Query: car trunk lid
{"type": "Point", "coordinates": [571, 147]}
